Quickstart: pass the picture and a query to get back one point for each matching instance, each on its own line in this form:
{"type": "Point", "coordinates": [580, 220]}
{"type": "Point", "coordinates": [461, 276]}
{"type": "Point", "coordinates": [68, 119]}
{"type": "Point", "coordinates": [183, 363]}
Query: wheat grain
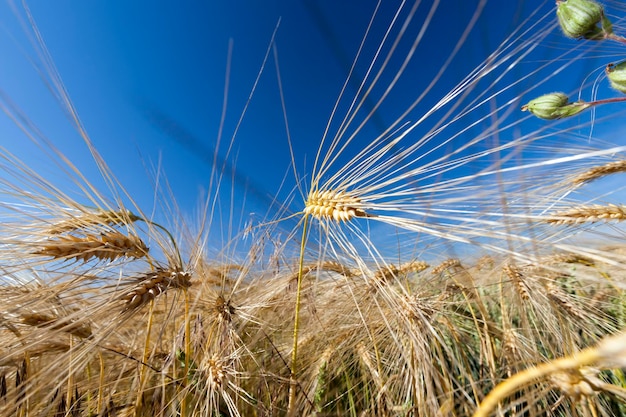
{"type": "Point", "coordinates": [106, 247]}
{"type": "Point", "coordinates": [510, 347]}
{"type": "Point", "coordinates": [612, 351]}
{"type": "Point", "coordinates": [516, 276]}
{"type": "Point", "coordinates": [373, 370]}
{"type": "Point", "coordinates": [215, 371]}
{"type": "Point", "coordinates": [561, 299]}
{"type": "Point", "coordinates": [80, 329]}
{"type": "Point", "coordinates": [418, 310]}
{"type": "Point", "coordinates": [321, 379]}
{"type": "Point", "coordinates": [154, 283]}
{"type": "Point", "coordinates": [588, 214]}
{"type": "Point", "coordinates": [328, 266]}
{"type": "Point", "coordinates": [485, 262]}
{"type": "Point", "coordinates": [391, 271]}
{"type": "Point", "coordinates": [87, 220]}
{"type": "Point", "coordinates": [336, 205]}
{"type": "Point", "coordinates": [338, 267]}
{"type": "Point", "coordinates": [568, 258]}
{"type": "Point", "coordinates": [222, 272]}
{"type": "Point", "coordinates": [599, 172]}
{"type": "Point", "coordinates": [224, 309]}
{"type": "Point", "coordinates": [446, 265]}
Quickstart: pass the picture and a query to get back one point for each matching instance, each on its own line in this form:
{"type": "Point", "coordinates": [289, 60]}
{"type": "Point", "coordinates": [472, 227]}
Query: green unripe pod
{"type": "Point", "coordinates": [545, 106]}
{"type": "Point", "coordinates": [616, 73]}
{"type": "Point", "coordinates": [579, 18]}
{"type": "Point", "coordinates": [554, 106]}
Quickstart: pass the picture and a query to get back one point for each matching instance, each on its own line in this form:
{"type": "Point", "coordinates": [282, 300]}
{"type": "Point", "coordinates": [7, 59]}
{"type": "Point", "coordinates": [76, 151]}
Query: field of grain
{"type": "Point", "coordinates": [405, 284]}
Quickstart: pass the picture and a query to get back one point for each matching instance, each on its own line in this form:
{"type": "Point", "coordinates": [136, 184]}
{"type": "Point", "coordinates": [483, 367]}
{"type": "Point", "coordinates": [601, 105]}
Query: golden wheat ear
{"type": "Point", "coordinates": [89, 220]}
{"type": "Point", "coordinates": [334, 205]}
{"type": "Point", "coordinates": [517, 278]}
{"type": "Point", "coordinates": [153, 284]}
{"type": "Point", "coordinates": [598, 172]}
{"type": "Point", "coordinates": [77, 328]}
{"type": "Point", "coordinates": [106, 247]}
{"type": "Point", "coordinates": [589, 214]}
{"type": "Point", "coordinates": [389, 272]}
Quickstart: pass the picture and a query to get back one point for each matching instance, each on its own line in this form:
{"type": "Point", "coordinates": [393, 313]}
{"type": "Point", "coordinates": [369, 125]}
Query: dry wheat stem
{"type": "Point", "coordinates": [577, 383]}
{"type": "Point", "coordinates": [610, 352]}
{"type": "Point", "coordinates": [330, 266]}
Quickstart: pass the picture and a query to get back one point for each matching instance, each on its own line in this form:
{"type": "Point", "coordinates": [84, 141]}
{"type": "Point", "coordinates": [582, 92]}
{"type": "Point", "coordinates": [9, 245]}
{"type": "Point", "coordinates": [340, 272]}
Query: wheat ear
{"type": "Point", "coordinates": [560, 298]}
{"type": "Point", "coordinates": [87, 220]}
{"type": "Point", "coordinates": [516, 276]}
{"type": "Point", "coordinates": [568, 258]}
{"type": "Point", "coordinates": [599, 172]}
{"type": "Point", "coordinates": [154, 283]}
{"type": "Point", "coordinates": [390, 271]}
{"type": "Point", "coordinates": [79, 329]}
{"type": "Point", "coordinates": [337, 205]}
{"type": "Point", "coordinates": [589, 214]}
{"type": "Point", "coordinates": [446, 265]}
{"type": "Point", "coordinates": [106, 247]}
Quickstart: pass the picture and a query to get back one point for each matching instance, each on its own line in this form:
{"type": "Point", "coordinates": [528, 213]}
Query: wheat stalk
{"type": "Point", "coordinates": [577, 383]}
{"type": "Point", "coordinates": [572, 373]}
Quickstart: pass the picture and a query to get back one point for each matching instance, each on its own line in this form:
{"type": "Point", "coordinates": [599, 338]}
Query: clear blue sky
{"type": "Point", "coordinates": [148, 77]}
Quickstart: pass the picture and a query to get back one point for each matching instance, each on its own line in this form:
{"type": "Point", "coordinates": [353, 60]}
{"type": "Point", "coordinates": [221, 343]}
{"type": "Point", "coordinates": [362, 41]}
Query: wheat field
{"type": "Point", "coordinates": [435, 269]}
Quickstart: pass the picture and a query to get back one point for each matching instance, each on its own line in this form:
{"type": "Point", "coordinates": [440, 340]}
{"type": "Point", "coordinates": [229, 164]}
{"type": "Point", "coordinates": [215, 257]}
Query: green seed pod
{"type": "Point", "coordinates": [545, 106]}
{"type": "Point", "coordinates": [554, 106]}
{"type": "Point", "coordinates": [579, 18]}
{"type": "Point", "coordinates": [617, 76]}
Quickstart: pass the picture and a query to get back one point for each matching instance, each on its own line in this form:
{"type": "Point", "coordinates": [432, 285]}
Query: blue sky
{"type": "Point", "coordinates": [147, 79]}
